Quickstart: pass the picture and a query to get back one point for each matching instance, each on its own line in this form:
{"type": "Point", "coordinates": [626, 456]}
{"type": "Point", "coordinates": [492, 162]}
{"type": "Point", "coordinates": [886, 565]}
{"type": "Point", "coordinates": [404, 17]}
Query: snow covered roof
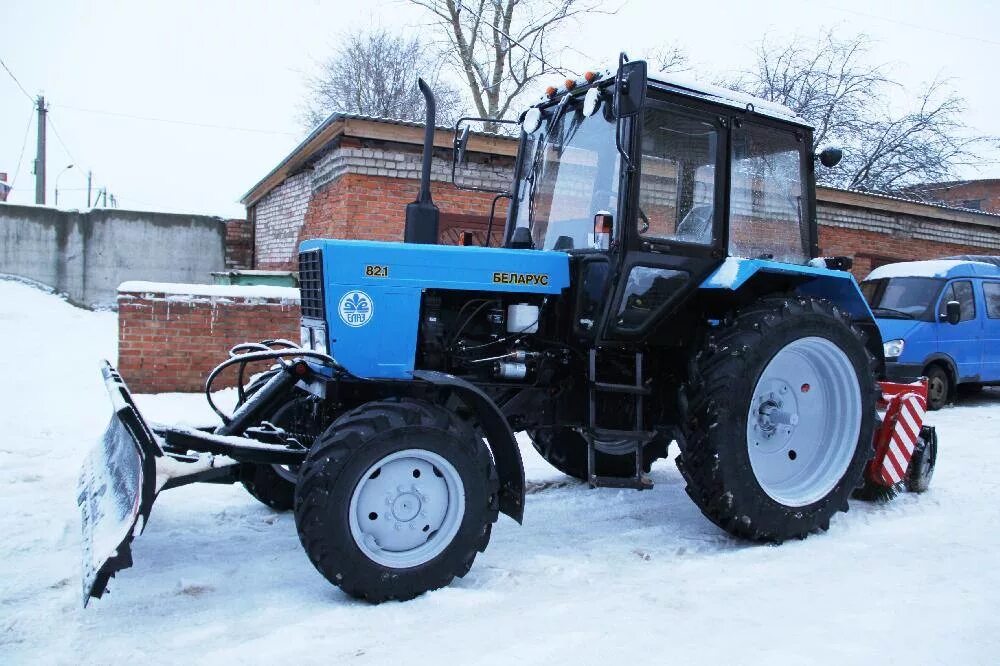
{"type": "Point", "coordinates": [713, 93]}
{"type": "Point", "coordinates": [943, 268]}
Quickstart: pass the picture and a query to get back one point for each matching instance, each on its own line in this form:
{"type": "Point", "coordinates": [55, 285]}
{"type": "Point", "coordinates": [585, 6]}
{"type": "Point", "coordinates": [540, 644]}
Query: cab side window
{"type": "Point", "coordinates": [677, 186]}
{"type": "Point", "coordinates": [991, 290]}
{"type": "Point", "coordinates": [767, 217]}
{"type": "Point", "coordinates": [962, 292]}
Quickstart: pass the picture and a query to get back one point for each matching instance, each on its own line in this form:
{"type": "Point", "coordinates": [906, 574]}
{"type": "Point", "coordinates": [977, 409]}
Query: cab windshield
{"type": "Point", "coordinates": [903, 297]}
{"type": "Point", "coordinates": [569, 174]}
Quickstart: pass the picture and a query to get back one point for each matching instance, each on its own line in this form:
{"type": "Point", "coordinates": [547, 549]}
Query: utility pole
{"type": "Point", "coordinates": [40, 153]}
{"type": "Point", "coordinates": [90, 178]}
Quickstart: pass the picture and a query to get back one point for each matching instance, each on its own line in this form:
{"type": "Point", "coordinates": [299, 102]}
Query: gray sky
{"type": "Point", "coordinates": [226, 67]}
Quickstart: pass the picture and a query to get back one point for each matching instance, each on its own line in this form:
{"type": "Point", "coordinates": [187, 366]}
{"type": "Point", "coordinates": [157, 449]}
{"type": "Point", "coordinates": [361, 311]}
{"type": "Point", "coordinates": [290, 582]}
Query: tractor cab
{"type": "Point", "coordinates": [657, 180]}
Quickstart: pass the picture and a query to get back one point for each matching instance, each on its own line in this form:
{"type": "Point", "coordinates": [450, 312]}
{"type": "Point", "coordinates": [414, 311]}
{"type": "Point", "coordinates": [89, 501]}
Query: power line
{"type": "Point", "coordinates": [7, 69]}
{"type": "Point", "coordinates": [914, 25]}
{"type": "Point", "coordinates": [174, 121]}
{"type": "Point", "coordinates": [61, 142]}
{"type": "Point", "coordinates": [24, 144]}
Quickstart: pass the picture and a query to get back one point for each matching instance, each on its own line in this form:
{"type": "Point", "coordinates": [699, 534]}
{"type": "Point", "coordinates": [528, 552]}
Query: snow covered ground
{"type": "Point", "coordinates": [592, 576]}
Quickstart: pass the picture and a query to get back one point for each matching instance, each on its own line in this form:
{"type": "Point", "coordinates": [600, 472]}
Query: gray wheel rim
{"type": "Point", "coordinates": [407, 508]}
{"type": "Point", "coordinates": [804, 421]}
{"type": "Point", "coordinates": [936, 389]}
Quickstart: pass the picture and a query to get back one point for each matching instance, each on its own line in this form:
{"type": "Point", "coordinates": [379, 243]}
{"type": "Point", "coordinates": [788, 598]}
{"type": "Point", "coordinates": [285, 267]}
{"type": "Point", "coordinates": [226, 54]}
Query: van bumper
{"type": "Point", "coordinates": [903, 373]}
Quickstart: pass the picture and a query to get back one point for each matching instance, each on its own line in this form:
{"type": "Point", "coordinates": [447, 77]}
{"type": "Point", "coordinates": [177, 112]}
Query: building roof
{"type": "Point", "coordinates": [369, 127]}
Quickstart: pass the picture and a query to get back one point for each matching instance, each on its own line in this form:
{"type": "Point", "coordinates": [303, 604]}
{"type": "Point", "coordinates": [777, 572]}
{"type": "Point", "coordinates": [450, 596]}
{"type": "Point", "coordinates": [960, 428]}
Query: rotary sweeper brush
{"type": "Point", "coordinates": [658, 281]}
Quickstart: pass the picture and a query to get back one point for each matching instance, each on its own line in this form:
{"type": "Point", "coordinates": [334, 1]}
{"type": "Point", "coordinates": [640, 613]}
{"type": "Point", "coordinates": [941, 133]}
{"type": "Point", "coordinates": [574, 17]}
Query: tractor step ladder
{"type": "Point", "coordinates": [639, 436]}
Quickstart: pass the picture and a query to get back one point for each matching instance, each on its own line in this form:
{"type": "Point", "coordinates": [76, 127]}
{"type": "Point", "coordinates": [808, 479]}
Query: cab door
{"type": "Point", "coordinates": [672, 232]}
{"type": "Point", "coordinates": [963, 341]}
{"type": "Point", "coordinates": [991, 331]}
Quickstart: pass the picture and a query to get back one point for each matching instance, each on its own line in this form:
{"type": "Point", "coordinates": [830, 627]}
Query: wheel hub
{"type": "Point", "coordinates": [407, 508]}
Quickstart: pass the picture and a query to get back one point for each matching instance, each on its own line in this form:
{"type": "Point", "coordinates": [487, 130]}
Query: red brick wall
{"type": "Point", "coordinates": [364, 207]}
{"type": "Point", "coordinates": [239, 244]}
{"type": "Point", "coordinates": [170, 342]}
{"type": "Point", "coordinates": [871, 249]}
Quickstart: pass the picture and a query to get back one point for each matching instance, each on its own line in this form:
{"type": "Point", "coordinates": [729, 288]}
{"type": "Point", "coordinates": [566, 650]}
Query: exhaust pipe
{"type": "Point", "coordinates": [422, 215]}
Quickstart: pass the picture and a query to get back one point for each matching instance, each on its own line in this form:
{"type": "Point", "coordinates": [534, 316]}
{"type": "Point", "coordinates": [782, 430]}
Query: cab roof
{"type": "Point", "coordinates": [942, 268]}
{"type": "Point", "coordinates": [684, 85]}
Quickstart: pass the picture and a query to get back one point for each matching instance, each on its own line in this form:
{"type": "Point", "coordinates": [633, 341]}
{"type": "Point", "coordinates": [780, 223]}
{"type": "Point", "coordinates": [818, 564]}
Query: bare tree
{"type": "Point", "coordinates": [375, 73]}
{"type": "Point", "coordinates": [500, 47]}
{"type": "Point", "coordinates": [670, 60]}
{"type": "Point", "coordinates": [829, 84]}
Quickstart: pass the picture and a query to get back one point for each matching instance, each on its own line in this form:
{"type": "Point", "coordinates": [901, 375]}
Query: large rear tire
{"type": "Point", "coordinates": [779, 413]}
{"type": "Point", "coordinates": [396, 498]}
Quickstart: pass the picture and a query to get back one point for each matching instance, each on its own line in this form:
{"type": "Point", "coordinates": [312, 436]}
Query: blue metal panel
{"type": "Point", "coordinates": [372, 319]}
{"type": "Point", "coordinates": [838, 287]}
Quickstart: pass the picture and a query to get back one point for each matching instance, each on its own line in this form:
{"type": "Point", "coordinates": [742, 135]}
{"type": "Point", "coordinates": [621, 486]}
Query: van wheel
{"type": "Point", "coordinates": [938, 387]}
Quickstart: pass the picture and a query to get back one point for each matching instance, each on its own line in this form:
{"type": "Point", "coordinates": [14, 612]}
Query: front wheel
{"type": "Point", "coordinates": [938, 387]}
{"type": "Point", "coordinates": [396, 498]}
{"type": "Point", "coordinates": [274, 485]}
{"type": "Point", "coordinates": [779, 414]}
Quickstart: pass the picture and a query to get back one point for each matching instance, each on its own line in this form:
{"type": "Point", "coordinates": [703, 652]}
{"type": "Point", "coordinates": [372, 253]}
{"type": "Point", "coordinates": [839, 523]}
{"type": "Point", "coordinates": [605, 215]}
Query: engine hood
{"type": "Point", "coordinates": [895, 329]}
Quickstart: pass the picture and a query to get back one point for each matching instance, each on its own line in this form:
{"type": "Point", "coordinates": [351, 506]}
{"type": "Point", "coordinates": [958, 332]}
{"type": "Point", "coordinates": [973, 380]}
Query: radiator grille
{"type": "Point", "coordinates": [311, 284]}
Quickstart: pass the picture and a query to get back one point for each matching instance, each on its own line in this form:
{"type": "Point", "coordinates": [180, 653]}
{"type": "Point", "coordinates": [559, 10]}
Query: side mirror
{"type": "Point", "coordinates": [630, 87]}
{"type": "Point", "coordinates": [604, 224]}
{"type": "Point", "coordinates": [830, 156]}
{"type": "Point", "coordinates": [461, 143]}
{"type": "Point", "coordinates": [953, 312]}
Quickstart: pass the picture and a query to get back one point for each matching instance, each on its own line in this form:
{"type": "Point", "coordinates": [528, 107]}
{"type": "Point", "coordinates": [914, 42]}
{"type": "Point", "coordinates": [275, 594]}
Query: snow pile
{"type": "Point", "coordinates": [593, 576]}
{"type": "Point", "coordinates": [290, 294]}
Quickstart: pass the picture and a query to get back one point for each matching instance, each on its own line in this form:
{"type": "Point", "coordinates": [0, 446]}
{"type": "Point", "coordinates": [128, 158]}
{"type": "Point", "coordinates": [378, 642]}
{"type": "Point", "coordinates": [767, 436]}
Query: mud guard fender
{"type": "Point", "coordinates": [499, 436]}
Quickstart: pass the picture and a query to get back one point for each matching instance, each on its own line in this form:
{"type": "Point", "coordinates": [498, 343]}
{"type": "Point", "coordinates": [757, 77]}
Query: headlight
{"type": "Point", "coordinates": [305, 334]}
{"type": "Point", "coordinates": [319, 340]}
{"type": "Point", "coordinates": [893, 348]}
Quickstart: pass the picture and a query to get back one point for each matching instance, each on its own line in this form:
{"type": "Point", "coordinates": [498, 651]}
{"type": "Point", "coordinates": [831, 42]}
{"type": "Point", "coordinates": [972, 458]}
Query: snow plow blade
{"type": "Point", "coordinates": [116, 489]}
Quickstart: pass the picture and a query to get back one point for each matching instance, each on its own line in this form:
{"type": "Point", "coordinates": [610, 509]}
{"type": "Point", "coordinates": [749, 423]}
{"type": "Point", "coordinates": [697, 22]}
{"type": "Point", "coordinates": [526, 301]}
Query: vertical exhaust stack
{"type": "Point", "coordinates": [422, 215]}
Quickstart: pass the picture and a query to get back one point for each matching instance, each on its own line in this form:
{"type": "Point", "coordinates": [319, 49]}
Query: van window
{"type": "Point", "coordinates": [992, 292]}
{"type": "Point", "coordinates": [961, 292]}
{"type": "Point", "coordinates": [903, 297]}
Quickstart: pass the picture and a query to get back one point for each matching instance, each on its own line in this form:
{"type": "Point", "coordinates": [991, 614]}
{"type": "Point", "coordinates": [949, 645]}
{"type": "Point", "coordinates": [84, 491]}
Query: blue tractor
{"type": "Point", "coordinates": [657, 282]}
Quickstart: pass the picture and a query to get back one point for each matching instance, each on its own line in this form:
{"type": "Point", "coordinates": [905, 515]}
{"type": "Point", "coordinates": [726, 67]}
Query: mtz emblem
{"type": "Point", "coordinates": [356, 308]}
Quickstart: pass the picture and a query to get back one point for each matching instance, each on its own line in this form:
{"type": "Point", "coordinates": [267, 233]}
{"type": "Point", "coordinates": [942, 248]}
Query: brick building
{"type": "Point", "coordinates": [353, 176]}
{"type": "Point", "coordinates": [981, 195]}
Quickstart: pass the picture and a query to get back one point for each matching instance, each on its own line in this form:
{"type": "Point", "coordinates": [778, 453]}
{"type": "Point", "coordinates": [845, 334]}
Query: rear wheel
{"type": "Point", "coordinates": [566, 450]}
{"type": "Point", "coordinates": [779, 415]}
{"type": "Point", "coordinates": [396, 498]}
{"type": "Point", "coordinates": [938, 387]}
